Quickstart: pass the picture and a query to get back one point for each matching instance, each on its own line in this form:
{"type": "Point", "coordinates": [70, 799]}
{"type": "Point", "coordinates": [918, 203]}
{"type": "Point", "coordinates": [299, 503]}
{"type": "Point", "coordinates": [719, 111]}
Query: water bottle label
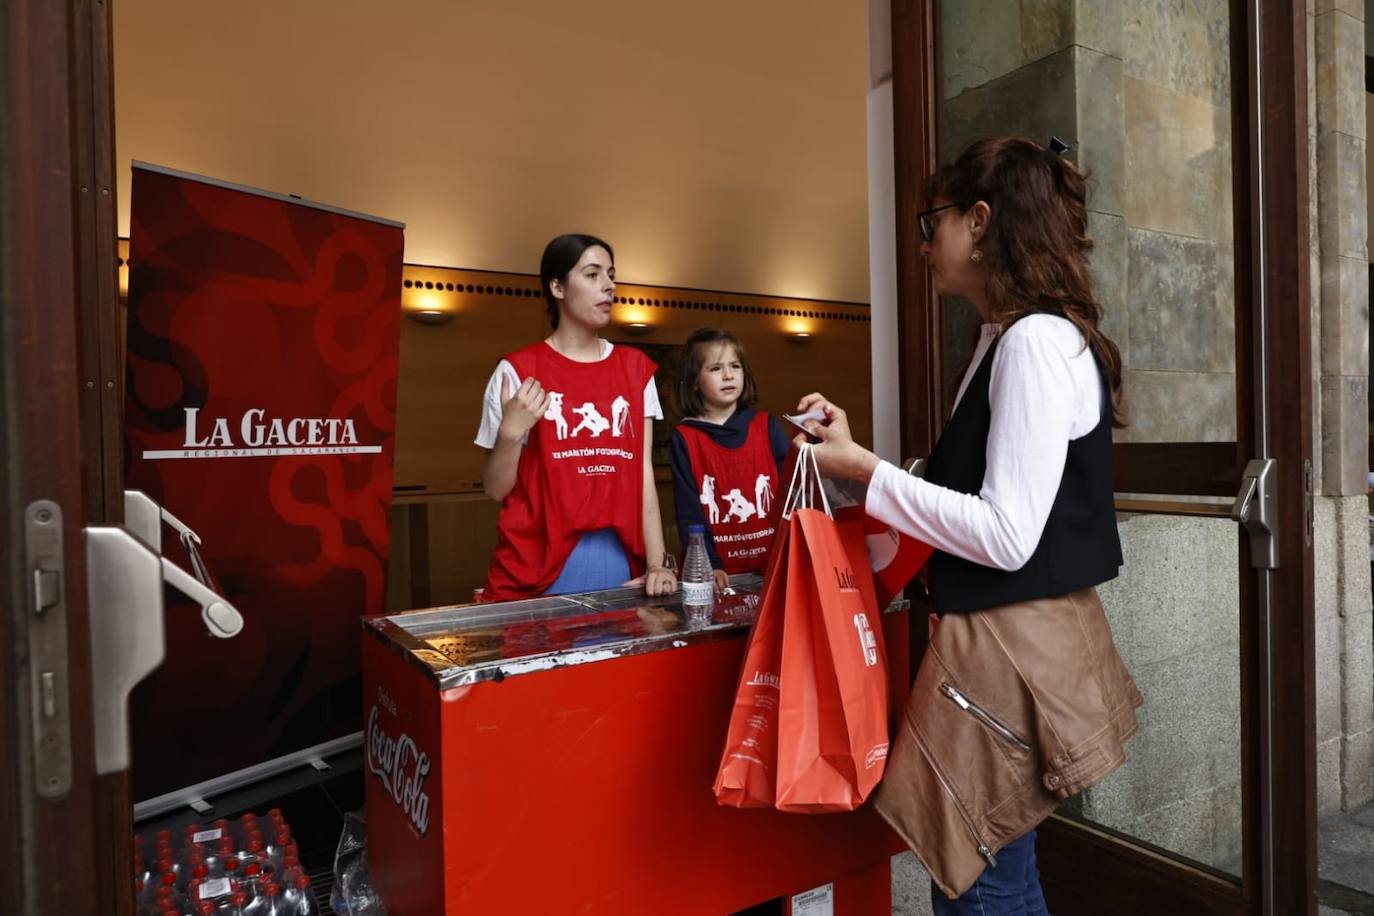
{"type": "Point", "coordinates": [698, 593]}
{"type": "Point", "coordinates": [216, 887]}
{"type": "Point", "coordinates": [206, 836]}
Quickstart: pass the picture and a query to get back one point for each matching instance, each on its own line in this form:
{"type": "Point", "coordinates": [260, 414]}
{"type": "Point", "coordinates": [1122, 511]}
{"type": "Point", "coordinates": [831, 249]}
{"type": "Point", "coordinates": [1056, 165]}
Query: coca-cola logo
{"type": "Point", "coordinates": [402, 768]}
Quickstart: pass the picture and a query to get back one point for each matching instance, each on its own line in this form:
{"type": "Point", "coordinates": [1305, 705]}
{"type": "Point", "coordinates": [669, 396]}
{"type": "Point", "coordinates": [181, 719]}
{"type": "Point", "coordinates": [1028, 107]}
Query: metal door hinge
{"type": "Point", "coordinates": [1256, 508]}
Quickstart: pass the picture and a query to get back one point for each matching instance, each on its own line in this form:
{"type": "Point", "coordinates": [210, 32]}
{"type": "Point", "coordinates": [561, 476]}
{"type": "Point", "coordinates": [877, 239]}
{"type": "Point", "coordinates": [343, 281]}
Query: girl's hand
{"type": "Point", "coordinates": [837, 455]}
{"type": "Point", "coordinates": [722, 580]}
{"type": "Point", "coordinates": [522, 409]}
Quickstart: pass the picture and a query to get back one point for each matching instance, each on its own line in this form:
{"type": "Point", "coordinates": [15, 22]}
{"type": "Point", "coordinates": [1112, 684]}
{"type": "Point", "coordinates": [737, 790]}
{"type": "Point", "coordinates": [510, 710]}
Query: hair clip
{"type": "Point", "coordinates": [1056, 148]}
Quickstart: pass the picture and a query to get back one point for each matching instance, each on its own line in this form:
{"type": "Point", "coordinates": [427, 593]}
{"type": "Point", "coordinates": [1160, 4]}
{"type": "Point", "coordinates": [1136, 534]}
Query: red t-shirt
{"type": "Point", "coordinates": [738, 489]}
{"type": "Point", "coordinates": [581, 470]}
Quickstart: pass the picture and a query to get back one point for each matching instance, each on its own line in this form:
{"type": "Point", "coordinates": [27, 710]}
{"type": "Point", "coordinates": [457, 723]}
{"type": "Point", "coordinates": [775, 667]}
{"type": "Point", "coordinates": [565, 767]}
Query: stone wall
{"type": "Point", "coordinates": [1340, 365]}
{"type": "Point", "coordinates": [1141, 89]}
{"type": "Point", "coordinates": [1173, 615]}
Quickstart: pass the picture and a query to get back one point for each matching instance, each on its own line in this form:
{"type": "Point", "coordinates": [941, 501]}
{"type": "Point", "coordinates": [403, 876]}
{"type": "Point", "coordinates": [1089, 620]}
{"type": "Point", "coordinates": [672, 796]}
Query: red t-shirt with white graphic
{"type": "Point", "coordinates": [581, 470]}
{"type": "Point", "coordinates": [738, 489]}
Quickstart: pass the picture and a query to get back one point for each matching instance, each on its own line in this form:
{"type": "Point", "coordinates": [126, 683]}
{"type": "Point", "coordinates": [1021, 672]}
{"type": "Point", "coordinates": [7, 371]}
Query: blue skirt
{"type": "Point", "coordinates": [598, 561]}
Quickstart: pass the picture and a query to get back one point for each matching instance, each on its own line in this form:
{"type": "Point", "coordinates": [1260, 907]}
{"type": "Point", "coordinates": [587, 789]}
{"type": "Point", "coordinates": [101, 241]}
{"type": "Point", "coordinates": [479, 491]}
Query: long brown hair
{"type": "Point", "coordinates": [1036, 244]}
{"type": "Point", "coordinates": [694, 354]}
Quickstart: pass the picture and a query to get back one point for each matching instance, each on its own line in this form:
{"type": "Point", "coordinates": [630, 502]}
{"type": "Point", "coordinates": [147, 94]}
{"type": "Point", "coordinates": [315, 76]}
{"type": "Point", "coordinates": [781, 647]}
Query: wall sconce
{"type": "Point", "coordinates": [798, 337]}
{"type": "Point", "coordinates": [429, 316]}
{"type": "Point", "coordinates": [636, 327]}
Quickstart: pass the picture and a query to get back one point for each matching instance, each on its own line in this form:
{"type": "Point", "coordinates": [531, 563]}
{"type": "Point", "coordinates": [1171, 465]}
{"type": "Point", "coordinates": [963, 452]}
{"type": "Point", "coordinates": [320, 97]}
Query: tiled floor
{"type": "Point", "coordinates": [1345, 863]}
{"type": "Point", "coordinates": [1345, 870]}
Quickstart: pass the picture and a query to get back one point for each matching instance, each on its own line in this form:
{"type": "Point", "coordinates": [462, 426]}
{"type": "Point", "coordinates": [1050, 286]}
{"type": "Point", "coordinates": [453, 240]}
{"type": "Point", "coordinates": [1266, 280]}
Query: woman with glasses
{"type": "Point", "coordinates": [1021, 699]}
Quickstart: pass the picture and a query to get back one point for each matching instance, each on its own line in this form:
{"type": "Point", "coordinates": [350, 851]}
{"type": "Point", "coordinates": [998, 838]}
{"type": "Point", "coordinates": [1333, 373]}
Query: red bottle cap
{"type": "Point", "coordinates": [283, 836]}
{"type": "Point", "coordinates": [193, 888]}
{"type": "Point", "coordinates": [169, 878]}
{"type": "Point", "coordinates": [272, 889]}
{"type": "Point", "coordinates": [207, 908]}
{"type": "Point", "coordinates": [199, 871]}
{"type": "Point", "coordinates": [303, 881]}
{"type": "Point", "coordinates": [192, 828]}
{"type": "Point", "coordinates": [221, 823]}
{"type": "Point", "coordinates": [291, 850]}
{"type": "Point", "coordinates": [255, 845]}
{"type": "Point", "coordinates": [231, 864]}
{"type": "Point", "coordinates": [252, 869]}
{"type": "Point", "coordinates": [164, 834]}
{"type": "Point", "coordinates": [238, 899]}
{"type": "Point", "coordinates": [274, 812]}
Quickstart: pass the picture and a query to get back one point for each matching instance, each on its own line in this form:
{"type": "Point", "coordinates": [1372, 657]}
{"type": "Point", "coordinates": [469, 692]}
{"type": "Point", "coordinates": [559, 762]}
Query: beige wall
{"type": "Point", "coordinates": [716, 144]}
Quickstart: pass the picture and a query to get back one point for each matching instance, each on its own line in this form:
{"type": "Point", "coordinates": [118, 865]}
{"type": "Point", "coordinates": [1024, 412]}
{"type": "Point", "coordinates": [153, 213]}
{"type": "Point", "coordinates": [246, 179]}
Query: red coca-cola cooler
{"type": "Point", "coordinates": [557, 755]}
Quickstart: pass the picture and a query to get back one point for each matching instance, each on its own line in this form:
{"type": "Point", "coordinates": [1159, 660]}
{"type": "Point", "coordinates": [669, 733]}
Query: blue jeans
{"type": "Point", "coordinates": [1010, 889]}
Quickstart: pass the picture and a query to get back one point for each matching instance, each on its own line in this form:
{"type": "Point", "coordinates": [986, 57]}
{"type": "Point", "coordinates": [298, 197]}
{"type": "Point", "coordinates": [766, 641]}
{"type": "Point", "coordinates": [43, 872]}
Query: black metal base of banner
{"type": "Point", "coordinates": [232, 791]}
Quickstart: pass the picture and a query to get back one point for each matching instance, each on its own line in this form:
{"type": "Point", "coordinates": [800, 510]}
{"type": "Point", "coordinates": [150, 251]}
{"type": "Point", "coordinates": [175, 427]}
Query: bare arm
{"type": "Point", "coordinates": [657, 580]}
{"type": "Point", "coordinates": [519, 412]}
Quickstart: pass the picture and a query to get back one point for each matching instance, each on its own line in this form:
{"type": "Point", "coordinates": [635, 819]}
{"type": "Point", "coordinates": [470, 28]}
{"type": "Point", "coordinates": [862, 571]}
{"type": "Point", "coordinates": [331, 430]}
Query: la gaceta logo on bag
{"type": "Point", "coordinates": [846, 580]}
{"type": "Point", "coordinates": [400, 765]}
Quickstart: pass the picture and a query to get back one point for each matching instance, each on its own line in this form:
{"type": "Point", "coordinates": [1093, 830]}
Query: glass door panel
{"type": "Point", "coordinates": [1142, 92]}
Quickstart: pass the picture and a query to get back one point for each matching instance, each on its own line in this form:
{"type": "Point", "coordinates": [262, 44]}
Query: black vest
{"type": "Point", "coordinates": [1080, 546]}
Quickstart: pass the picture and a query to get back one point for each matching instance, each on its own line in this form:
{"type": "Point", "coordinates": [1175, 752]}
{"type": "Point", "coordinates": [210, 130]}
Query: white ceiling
{"type": "Point", "coordinates": [715, 143]}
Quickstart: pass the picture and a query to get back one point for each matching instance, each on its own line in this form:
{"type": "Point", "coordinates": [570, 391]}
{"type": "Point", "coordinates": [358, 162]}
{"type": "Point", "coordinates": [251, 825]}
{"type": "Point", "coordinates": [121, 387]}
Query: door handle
{"type": "Point", "coordinates": [125, 576]}
{"type": "Point", "coordinates": [1256, 508]}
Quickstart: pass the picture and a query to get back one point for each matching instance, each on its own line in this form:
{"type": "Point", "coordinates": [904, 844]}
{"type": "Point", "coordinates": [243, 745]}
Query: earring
{"type": "Point", "coordinates": [977, 256]}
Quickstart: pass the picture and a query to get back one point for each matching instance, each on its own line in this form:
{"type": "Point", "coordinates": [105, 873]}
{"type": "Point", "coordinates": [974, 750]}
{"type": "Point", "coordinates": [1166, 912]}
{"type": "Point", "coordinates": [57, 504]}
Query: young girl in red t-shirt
{"type": "Point", "coordinates": [569, 422]}
{"type": "Point", "coordinates": [726, 456]}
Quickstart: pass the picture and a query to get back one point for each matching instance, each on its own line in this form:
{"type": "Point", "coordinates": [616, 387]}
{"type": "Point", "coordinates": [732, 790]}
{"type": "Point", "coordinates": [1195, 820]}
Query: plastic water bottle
{"type": "Point", "coordinates": [698, 579]}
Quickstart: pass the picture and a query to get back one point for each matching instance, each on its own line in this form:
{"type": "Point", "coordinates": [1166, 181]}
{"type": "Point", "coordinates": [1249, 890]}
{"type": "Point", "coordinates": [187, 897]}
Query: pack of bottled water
{"type": "Point", "coordinates": [245, 867]}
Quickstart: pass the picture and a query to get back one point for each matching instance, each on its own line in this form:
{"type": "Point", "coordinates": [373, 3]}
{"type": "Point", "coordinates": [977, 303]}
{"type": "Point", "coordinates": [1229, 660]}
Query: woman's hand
{"type": "Point", "coordinates": [722, 580]}
{"type": "Point", "coordinates": [522, 409]}
{"type": "Point", "coordinates": [837, 454]}
{"type": "Point", "coordinates": [659, 580]}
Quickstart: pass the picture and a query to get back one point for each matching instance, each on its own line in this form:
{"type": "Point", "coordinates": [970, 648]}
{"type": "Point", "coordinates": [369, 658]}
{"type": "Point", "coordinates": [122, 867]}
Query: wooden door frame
{"type": "Point", "coordinates": [1137, 879]}
{"type": "Point", "coordinates": [62, 406]}
{"type": "Point", "coordinates": [48, 849]}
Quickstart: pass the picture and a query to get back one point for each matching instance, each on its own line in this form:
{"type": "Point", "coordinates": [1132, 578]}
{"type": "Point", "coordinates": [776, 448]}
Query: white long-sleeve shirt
{"type": "Point", "coordinates": [1045, 391]}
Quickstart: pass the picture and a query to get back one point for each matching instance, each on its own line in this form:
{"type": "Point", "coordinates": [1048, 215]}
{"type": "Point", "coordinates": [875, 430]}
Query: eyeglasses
{"type": "Point", "coordinates": [923, 219]}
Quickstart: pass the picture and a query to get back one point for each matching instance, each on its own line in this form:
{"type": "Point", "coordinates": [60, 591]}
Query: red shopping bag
{"type": "Point", "coordinates": [894, 558]}
{"type": "Point", "coordinates": [747, 776]}
{"type": "Point", "coordinates": [832, 717]}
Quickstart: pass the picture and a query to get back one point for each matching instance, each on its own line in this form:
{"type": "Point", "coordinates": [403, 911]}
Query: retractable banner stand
{"type": "Point", "coordinates": [260, 411]}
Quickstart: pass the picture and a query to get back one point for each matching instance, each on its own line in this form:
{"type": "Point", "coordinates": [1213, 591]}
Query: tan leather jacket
{"type": "Point", "coordinates": [1014, 709]}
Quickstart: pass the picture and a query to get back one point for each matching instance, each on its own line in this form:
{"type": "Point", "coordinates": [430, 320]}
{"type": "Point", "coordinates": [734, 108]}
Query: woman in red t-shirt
{"type": "Point", "coordinates": [726, 456]}
{"type": "Point", "coordinates": [569, 424]}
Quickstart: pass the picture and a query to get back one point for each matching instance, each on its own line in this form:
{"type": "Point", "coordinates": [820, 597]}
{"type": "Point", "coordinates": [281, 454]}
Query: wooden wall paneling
{"type": "Point", "coordinates": [462, 535]}
{"type": "Point", "coordinates": [445, 368]}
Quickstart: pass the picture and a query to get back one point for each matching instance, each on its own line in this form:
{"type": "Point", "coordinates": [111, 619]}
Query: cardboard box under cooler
{"type": "Point", "coordinates": [557, 756]}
